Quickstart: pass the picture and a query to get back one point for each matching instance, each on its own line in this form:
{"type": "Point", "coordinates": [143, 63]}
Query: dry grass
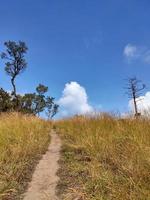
{"type": "Point", "coordinates": [22, 140]}
{"type": "Point", "coordinates": [105, 158]}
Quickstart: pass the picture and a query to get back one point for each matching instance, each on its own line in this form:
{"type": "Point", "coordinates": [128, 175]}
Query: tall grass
{"type": "Point", "coordinates": [22, 140]}
{"type": "Point", "coordinates": [105, 158]}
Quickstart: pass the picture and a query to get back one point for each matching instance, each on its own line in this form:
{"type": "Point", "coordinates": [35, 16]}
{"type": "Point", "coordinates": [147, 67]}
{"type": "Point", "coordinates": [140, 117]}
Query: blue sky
{"type": "Point", "coordinates": [94, 43]}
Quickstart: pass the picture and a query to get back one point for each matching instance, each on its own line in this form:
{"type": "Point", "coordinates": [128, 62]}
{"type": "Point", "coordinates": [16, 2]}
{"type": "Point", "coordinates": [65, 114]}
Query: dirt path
{"type": "Point", "coordinates": [44, 180]}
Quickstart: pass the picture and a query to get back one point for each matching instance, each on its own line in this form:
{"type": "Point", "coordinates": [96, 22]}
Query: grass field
{"type": "Point", "coordinates": [22, 140]}
{"type": "Point", "coordinates": [104, 158]}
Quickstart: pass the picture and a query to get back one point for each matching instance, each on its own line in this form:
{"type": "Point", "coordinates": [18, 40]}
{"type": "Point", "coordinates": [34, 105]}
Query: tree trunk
{"type": "Point", "coordinates": [14, 93]}
{"type": "Point", "coordinates": [135, 106]}
{"type": "Point", "coordinates": [14, 87]}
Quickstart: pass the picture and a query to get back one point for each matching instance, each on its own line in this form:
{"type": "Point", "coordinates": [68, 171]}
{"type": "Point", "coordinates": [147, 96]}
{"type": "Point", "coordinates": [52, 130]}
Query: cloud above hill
{"type": "Point", "coordinates": [134, 52]}
{"type": "Point", "coordinates": [74, 100]}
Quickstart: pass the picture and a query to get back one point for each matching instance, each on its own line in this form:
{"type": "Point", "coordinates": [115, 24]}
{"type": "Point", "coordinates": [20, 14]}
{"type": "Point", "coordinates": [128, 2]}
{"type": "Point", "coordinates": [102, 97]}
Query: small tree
{"type": "Point", "coordinates": [16, 62]}
{"type": "Point", "coordinates": [39, 101]}
{"type": "Point", "coordinates": [134, 91]}
{"type": "Point", "coordinates": [45, 103]}
{"type": "Point", "coordinates": [51, 107]}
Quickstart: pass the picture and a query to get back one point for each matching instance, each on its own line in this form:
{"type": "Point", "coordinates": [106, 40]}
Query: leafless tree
{"type": "Point", "coordinates": [134, 91]}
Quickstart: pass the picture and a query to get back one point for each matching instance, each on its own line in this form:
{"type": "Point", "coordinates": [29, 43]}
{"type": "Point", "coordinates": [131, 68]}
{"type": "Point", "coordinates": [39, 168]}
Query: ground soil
{"type": "Point", "coordinates": [45, 179]}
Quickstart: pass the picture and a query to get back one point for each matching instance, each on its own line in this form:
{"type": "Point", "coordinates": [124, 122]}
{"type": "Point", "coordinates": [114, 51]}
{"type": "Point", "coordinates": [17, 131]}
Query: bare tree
{"type": "Point", "coordinates": [134, 90]}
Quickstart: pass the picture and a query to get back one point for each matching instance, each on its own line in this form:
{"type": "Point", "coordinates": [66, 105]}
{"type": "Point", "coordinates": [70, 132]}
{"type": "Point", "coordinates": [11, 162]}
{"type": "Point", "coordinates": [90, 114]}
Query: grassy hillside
{"type": "Point", "coordinates": [105, 158]}
{"type": "Point", "coordinates": [22, 140]}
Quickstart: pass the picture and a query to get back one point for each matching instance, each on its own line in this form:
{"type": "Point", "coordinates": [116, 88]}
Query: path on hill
{"type": "Point", "coordinates": [44, 180]}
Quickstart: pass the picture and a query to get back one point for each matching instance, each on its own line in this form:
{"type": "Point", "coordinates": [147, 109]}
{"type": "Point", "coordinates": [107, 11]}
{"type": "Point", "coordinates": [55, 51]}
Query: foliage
{"type": "Point", "coordinates": [40, 98]}
{"type": "Point", "coordinates": [5, 101]}
{"type": "Point", "coordinates": [41, 89]}
{"type": "Point", "coordinates": [37, 102]}
{"type": "Point", "coordinates": [51, 108]}
{"type": "Point", "coordinates": [33, 103]}
{"type": "Point", "coordinates": [15, 61]}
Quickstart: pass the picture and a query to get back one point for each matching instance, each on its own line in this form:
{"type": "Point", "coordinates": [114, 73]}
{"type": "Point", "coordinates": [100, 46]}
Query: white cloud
{"type": "Point", "coordinates": [130, 51]}
{"type": "Point", "coordinates": [133, 52]}
{"type": "Point", "coordinates": [74, 100]}
{"type": "Point", "coordinates": [143, 103]}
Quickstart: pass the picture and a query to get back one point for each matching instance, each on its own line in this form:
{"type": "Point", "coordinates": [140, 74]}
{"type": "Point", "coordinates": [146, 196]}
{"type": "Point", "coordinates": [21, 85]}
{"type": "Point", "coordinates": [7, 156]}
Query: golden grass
{"type": "Point", "coordinates": [22, 140]}
{"type": "Point", "coordinates": [105, 158]}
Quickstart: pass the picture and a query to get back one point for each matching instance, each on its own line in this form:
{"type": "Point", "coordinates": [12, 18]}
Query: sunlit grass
{"type": "Point", "coordinates": [105, 158]}
{"type": "Point", "coordinates": [22, 140]}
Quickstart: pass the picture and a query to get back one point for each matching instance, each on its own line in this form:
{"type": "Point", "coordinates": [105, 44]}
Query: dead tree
{"type": "Point", "coordinates": [134, 90]}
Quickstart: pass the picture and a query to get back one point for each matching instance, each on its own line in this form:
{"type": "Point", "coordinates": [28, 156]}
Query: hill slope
{"type": "Point", "coordinates": [23, 139]}
{"type": "Point", "coordinates": [105, 158]}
